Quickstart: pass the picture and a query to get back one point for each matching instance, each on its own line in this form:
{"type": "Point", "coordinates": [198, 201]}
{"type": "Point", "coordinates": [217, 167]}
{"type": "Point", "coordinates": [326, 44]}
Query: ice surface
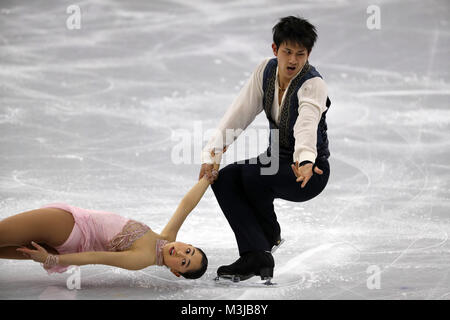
{"type": "Point", "coordinates": [90, 117]}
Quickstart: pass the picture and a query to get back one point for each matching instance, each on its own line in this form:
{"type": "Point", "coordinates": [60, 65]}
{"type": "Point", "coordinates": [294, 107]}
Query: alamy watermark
{"type": "Point", "coordinates": [374, 280]}
{"type": "Point", "coordinates": [373, 21]}
{"type": "Point", "coordinates": [189, 143]}
{"type": "Point", "coordinates": [74, 281]}
{"type": "Point", "coordinates": [73, 21]}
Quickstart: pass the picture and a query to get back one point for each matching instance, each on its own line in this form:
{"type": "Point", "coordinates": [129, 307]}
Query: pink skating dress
{"type": "Point", "coordinates": [97, 231]}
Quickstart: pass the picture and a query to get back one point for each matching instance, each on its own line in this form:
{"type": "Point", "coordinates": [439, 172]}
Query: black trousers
{"type": "Point", "coordinates": [246, 198]}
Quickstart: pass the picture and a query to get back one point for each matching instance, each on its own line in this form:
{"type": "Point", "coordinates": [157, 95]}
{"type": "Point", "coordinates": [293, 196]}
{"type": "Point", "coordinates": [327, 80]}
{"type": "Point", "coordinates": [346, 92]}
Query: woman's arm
{"type": "Point", "coordinates": [130, 259]}
{"type": "Point", "coordinates": [187, 204]}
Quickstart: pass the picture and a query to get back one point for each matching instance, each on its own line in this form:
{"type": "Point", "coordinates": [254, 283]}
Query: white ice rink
{"type": "Point", "coordinates": [91, 117]}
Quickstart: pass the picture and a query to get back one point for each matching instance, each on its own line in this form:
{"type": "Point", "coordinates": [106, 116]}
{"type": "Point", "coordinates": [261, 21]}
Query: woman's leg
{"type": "Point", "coordinates": [49, 226]}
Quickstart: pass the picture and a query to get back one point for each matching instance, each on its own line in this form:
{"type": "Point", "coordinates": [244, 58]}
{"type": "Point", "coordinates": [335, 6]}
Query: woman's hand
{"type": "Point", "coordinates": [206, 170]}
{"type": "Point", "coordinates": [39, 255]}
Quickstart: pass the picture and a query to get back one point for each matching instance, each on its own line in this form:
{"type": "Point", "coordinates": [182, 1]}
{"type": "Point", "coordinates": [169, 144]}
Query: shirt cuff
{"type": "Point", "coordinates": [303, 156]}
{"type": "Point", "coordinates": [207, 158]}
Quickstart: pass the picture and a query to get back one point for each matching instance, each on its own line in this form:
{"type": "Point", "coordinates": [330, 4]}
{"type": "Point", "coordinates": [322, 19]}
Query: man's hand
{"type": "Point", "coordinates": [211, 170]}
{"type": "Point", "coordinates": [305, 172]}
{"type": "Point", "coordinates": [207, 169]}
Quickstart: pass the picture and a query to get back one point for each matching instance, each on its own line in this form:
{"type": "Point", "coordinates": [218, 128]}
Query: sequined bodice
{"type": "Point", "coordinates": [132, 231]}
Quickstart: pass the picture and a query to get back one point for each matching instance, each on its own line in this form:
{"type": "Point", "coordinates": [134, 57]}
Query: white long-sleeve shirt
{"type": "Point", "coordinates": [312, 97]}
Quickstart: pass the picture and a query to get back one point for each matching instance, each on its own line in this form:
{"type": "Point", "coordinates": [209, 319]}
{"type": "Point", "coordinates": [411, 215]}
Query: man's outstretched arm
{"type": "Point", "coordinates": [243, 110]}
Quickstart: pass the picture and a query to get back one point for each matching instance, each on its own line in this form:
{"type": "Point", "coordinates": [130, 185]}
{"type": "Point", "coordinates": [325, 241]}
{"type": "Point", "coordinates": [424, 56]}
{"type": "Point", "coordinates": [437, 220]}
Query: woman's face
{"type": "Point", "coordinates": [180, 257]}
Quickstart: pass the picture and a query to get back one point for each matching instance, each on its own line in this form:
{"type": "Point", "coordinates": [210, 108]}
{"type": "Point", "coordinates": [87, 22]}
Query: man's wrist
{"type": "Point", "coordinates": [206, 158]}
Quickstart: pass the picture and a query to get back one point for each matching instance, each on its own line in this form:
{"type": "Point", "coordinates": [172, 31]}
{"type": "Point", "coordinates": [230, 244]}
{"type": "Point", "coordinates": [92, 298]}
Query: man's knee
{"type": "Point", "coordinates": [252, 178]}
{"type": "Point", "coordinates": [226, 176]}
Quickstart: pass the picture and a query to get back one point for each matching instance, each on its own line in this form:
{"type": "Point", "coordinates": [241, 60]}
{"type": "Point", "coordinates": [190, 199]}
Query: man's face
{"type": "Point", "coordinates": [291, 59]}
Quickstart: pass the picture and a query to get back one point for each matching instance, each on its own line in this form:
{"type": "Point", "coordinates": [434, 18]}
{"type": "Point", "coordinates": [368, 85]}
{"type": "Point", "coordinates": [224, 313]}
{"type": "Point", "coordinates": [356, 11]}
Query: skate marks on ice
{"type": "Point", "coordinates": [301, 271]}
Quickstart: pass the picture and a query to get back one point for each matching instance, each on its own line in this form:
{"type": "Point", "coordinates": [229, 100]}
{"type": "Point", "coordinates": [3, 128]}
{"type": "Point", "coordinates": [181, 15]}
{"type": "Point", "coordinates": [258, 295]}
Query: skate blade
{"type": "Point", "coordinates": [275, 247]}
{"type": "Point", "coordinates": [238, 281]}
{"type": "Point", "coordinates": [234, 277]}
{"type": "Point", "coordinates": [268, 282]}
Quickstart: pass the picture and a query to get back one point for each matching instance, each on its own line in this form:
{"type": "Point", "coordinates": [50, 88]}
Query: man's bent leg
{"type": "Point", "coordinates": [260, 195]}
{"type": "Point", "coordinates": [261, 190]}
{"type": "Point", "coordinates": [286, 187]}
{"type": "Point", "coordinates": [234, 203]}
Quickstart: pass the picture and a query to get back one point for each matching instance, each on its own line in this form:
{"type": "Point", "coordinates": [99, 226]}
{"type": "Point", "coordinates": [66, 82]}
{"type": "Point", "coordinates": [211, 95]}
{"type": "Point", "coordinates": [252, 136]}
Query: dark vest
{"type": "Point", "coordinates": [289, 111]}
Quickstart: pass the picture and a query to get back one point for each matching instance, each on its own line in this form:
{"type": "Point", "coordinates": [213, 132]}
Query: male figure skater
{"type": "Point", "coordinates": [293, 96]}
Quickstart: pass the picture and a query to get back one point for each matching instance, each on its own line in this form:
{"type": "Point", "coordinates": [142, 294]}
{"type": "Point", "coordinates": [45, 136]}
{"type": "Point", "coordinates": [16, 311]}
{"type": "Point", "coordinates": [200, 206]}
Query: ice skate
{"type": "Point", "coordinates": [278, 242]}
{"type": "Point", "coordinates": [248, 265]}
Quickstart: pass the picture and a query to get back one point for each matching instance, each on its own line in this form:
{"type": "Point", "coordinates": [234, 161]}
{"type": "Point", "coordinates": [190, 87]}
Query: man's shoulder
{"type": "Point", "coordinates": [312, 87]}
{"type": "Point", "coordinates": [259, 72]}
{"type": "Point", "coordinates": [315, 81]}
{"type": "Point", "coordinates": [263, 64]}
{"type": "Point", "coordinates": [314, 78]}
{"type": "Point", "coordinates": [314, 72]}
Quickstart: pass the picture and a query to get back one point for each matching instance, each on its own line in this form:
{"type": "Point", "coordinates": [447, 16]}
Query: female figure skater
{"type": "Point", "coordinates": [59, 235]}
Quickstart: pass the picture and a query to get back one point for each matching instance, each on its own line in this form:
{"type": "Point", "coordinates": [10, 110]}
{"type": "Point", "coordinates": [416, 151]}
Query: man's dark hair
{"type": "Point", "coordinates": [295, 29]}
{"type": "Point", "coordinates": [200, 271]}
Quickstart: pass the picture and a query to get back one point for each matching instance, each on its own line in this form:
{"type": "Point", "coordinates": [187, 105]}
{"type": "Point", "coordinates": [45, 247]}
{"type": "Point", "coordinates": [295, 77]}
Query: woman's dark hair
{"type": "Point", "coordinates": [295, 29]}
{"type": "Point", "coordinates": [200, 271]}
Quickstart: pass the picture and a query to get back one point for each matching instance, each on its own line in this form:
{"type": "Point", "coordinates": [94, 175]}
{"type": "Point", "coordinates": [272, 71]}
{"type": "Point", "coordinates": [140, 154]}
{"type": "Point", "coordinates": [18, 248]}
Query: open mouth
{"type": "Point", "coordinates": [171, 250]}
{"type": "Point", "coordinates": [291, 68]}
